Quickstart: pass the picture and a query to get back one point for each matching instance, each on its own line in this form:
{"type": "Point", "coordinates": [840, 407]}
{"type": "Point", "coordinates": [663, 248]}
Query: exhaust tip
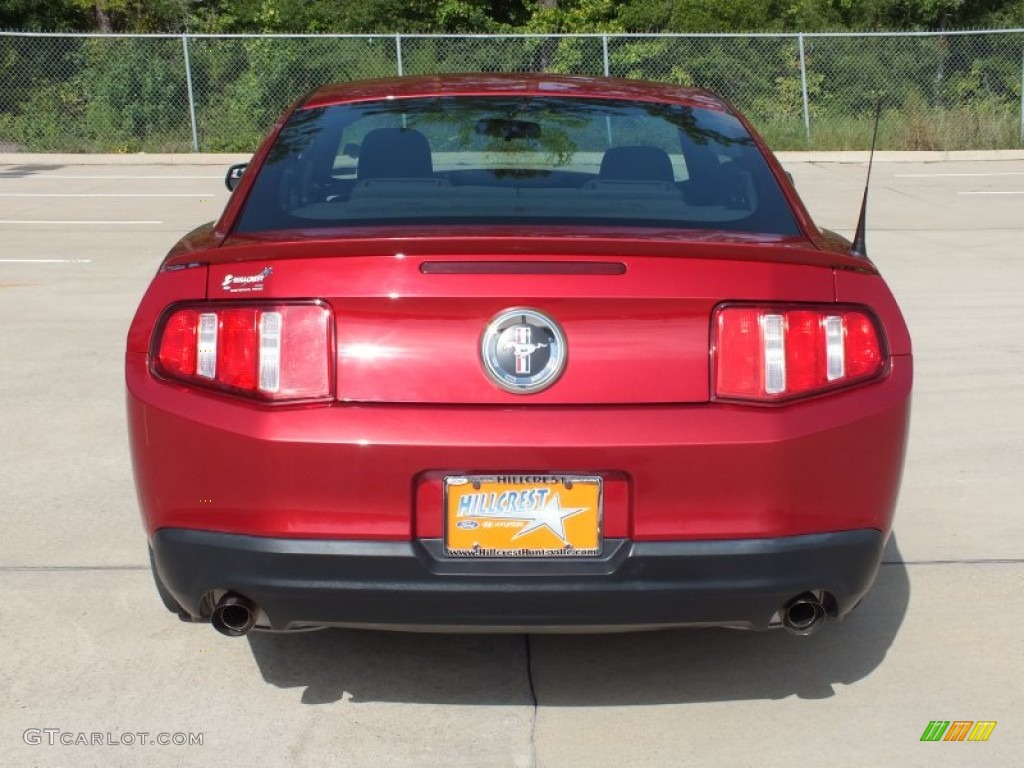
{"type": "Point", "coordinates": [234, 615]}
{"type": "Point", "coordinates": [803, 615]}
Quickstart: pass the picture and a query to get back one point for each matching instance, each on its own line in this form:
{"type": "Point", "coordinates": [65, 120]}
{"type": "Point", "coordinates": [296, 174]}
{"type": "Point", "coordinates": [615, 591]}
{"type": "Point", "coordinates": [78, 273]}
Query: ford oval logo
{"type": "Point", "coordinates": [467, 525]}
{"type": "Point", "coordinates": [523, 350]}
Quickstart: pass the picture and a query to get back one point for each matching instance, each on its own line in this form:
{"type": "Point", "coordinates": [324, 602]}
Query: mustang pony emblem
{"type": "Point", "coordinates": [521, 347]}
{"type": "Point", "coordinates": [523, 351]}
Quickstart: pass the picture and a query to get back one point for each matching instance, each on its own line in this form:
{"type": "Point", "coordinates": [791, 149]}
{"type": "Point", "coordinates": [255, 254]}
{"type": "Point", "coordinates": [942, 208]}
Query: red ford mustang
{"type": "Point", "coordinates": [515, 353]}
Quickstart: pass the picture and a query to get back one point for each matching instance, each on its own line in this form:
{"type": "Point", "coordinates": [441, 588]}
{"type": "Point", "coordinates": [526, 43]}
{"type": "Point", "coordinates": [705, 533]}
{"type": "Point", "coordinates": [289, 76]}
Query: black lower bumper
{"type": "Point", "coordinates": [411, 585]}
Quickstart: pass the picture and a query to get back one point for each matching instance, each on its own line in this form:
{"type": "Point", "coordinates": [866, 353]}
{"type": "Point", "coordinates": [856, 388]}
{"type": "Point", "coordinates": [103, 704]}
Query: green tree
{"type": "Point", "coordinates": [366, 16]}
{"type": "Point", "coordinates": [815, 15]}
{"type": "Point", "coordinates": [575, 16]}
{"type": "Point", "coordinates": [698, 15]}
{"type": "Point", "coordinates": [138, 15]}
{"type": "Point", "coordinates": [42, 14]}
{"type": "Point", "coordinates": [461, 16]}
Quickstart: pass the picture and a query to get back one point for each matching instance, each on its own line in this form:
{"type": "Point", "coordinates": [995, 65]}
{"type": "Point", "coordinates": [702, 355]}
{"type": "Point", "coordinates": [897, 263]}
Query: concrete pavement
{"type": "Point", "coordinates": [86, 647]}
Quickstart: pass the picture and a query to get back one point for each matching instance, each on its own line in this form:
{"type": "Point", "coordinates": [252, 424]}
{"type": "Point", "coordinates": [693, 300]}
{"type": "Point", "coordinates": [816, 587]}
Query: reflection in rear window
{"type": "Point", "coordinates": [516, 159]}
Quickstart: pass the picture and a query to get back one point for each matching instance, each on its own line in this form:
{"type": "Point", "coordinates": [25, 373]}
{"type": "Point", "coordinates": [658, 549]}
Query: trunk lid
{"type": "Point", "coordinates": [411, 314]}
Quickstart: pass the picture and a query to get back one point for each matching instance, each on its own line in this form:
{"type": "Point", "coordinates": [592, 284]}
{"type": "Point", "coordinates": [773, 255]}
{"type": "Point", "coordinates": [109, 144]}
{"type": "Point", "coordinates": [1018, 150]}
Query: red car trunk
{"type": "Point", "coordinates": [409, 322]}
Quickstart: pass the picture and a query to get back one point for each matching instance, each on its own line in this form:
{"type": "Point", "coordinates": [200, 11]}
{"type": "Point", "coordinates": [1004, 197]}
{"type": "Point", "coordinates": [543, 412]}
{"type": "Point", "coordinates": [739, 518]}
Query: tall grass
{"type": "Point", "coordinates": [909, 129]}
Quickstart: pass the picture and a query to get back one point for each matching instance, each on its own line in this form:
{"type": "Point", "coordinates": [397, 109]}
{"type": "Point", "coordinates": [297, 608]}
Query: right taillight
{"type": "Point", "coordinates": [771, 354]}
{"type": "Point", "coordinates": [272, 352]}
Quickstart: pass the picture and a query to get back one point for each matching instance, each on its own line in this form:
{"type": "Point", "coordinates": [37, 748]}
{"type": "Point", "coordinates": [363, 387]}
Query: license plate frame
{"type": "Point", "coordinates": [485, 515]}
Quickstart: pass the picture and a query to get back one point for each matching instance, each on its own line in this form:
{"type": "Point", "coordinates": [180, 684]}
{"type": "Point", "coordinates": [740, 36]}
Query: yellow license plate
{"type": "Point", "coordinates": [522, 516]}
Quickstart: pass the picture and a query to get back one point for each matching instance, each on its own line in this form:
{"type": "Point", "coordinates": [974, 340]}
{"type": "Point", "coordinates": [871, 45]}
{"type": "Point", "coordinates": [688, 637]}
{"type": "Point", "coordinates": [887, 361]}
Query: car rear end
{"type": "Point", "coordinates": [411, 409]}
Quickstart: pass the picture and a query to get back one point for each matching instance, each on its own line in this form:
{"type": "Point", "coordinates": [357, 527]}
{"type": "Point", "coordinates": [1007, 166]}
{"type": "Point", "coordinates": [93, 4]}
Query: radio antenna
{"type": "Point", "coordinates": [859, 247]}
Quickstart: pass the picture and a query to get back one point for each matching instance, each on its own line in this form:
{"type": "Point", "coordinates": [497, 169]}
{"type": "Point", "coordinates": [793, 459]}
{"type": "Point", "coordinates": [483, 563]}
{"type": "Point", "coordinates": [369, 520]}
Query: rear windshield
{"type": "Point", "coordinates": [511, 159]}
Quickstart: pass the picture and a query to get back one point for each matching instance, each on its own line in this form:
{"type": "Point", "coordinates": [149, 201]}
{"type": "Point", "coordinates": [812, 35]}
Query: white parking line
{"type": "Point", "coordinates": [45, 261]}
{"type": "Point", "coordinates": [956, 175]}
{"type": "Point", "coordinates": [994, 192]}
{"type": "Point", "coordinates": [95, 194]}
{"type": "Point", "coordinates": [30, 176]}
{"type": "Point", "coordinates": [37, 221]}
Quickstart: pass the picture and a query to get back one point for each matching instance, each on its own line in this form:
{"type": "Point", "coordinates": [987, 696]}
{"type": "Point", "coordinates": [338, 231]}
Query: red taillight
{"type": "Point", "coordinates": [177, 352]}
{"type": "Point", "coordinates": [237, 348]}
{"type": "Point", "coordinates": [274, 352]}
{"type": "Point", "coordinates": [777, 353]}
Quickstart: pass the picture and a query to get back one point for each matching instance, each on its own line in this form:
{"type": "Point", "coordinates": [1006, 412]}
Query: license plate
{"type": "Point", "coordinates": [522, 516]}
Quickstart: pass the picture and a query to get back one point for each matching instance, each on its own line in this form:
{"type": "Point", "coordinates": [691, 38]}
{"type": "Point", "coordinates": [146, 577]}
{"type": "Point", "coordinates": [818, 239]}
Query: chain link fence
{"type": "Point", "coordinates": [178, 93]}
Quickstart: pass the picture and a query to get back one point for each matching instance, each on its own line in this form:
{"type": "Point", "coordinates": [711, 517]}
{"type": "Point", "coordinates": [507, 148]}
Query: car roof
{"type": "Point", "coordinates": [494, 84]}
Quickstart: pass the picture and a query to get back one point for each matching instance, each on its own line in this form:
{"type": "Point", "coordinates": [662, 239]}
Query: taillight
{"type": "Point", "coordinates": [769, 354]}
{"type": "Point", "coordinates": [275, 352]}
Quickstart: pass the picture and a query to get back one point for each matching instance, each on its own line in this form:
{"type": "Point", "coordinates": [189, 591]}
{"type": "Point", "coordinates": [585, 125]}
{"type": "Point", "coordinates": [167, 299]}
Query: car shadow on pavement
{"type": "Point", "coordinates": [671, 666]}
{"type": "Point", "coordinates": [21, 171]}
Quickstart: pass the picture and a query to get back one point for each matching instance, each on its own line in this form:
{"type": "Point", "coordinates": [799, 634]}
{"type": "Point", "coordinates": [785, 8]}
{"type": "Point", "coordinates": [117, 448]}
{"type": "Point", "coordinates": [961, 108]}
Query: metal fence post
{"type": "Point", "coordinates": [191, 94]}
{"type": "Point", "coordinates": [803, 89]}
{"type": "Point", "coordinates": [58, 72]}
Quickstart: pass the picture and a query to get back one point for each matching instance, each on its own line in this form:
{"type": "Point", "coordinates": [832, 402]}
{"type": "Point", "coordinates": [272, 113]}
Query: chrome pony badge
{"type": "Point", "coordinates": [523, 351]}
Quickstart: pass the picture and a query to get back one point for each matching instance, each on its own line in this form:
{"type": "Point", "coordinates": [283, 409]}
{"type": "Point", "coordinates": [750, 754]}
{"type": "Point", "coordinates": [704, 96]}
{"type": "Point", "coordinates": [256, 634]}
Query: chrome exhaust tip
{"type": "Point", "coordinates": [234, 615]}
{"type": "Point", "coordinates": [803, 615]}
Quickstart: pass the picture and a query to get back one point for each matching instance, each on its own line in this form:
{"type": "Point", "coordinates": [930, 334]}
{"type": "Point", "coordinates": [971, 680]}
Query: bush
{"type": "Point", "coordinates": [130, 94]}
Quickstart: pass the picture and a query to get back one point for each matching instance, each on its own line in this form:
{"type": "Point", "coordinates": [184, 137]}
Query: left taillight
{"type": "Point", "coordinates": [777, 353]}
{"type": "Point", "coordinates": [273, 352]}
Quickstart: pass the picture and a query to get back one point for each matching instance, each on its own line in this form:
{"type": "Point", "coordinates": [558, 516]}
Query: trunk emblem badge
{"type": "Point", "coordinates": [246, 283]}
{"type": "Point", "coordinates": [523, 350]}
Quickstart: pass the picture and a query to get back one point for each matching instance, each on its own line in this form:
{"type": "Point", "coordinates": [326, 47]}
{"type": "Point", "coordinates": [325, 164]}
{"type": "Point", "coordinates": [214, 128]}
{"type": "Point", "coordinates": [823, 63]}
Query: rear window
{"type": "Point", "coordinates": [508, 160]}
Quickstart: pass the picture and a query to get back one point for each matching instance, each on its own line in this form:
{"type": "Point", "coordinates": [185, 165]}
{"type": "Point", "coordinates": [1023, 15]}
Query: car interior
{"type": "Point", "coordinates": [505, 172]}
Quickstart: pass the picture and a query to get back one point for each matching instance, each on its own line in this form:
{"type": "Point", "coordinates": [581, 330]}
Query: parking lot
{"type": "Point", "coordinates": [86, 647]}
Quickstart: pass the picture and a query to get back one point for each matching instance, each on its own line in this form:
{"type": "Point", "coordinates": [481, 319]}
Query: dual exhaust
{"type": "Point", "coordinates": [234, 615]}
{"type": "Point", "coordinates": [804, 614]}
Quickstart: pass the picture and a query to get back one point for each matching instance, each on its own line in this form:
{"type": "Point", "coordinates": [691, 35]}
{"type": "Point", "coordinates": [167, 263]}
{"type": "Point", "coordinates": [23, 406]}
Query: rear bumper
{"type": "Point", "coordinates": [686, 472]}
{"type": "Point", "coordinates": [411, 585]}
